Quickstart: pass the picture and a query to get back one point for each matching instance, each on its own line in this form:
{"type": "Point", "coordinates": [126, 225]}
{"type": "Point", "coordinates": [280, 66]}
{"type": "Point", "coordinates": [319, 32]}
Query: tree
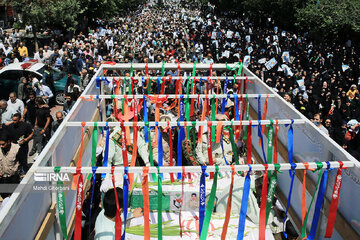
{"type": "Point", "coordinates": [329, 18]}
{"type": "Point", "coordinates": [51, 14]}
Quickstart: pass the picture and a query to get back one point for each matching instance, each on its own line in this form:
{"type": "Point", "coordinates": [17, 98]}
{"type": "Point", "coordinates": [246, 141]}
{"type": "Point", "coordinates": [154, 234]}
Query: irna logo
{"type": "Point", "coordinates": [50, 177]}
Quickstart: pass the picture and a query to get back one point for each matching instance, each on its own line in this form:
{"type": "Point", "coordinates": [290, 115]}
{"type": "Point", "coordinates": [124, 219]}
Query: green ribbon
{"type": "Point", "coordinates": [233, 145]}
{"type": "Point", "coordinates": [238, 66]}
{"type": "Point", "coordinates": [209, 207]}
{"type": "Point", "coordinates": [319, 167]}
{"type": "Point", "coordinates": [153, 175]}
{"type": "Point", "coordinates": [213, 113]}
{"type": "Point", "coordinates": [271, 190]}
{"type": "Point", "coordinates": [131, 69]}
{"type": "Point", "coordinates": [150, 83]}
{"type": "Point", "coordinates": [61, 205]}
{"type": "Point", "coordinates": [159, 204]}
{"type": "Point", "coordinates": [93, 148]}
{"type": "Point", "coordinates": [123, 93]}
{"type": "Point", "coordinates": [194, 70]}
{"type": "Point", "coordinates": [246, 114]}
{"type": "Point", "coordinates": [163, 69]}
{"type": "Point", "coordinates": [193, 134]}
{"type": "Point", "coordinates": [270, 142]}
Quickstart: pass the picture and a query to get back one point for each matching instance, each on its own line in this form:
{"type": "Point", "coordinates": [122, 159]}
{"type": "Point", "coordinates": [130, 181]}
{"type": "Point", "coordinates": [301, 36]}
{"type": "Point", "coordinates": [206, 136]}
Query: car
{"type": "Point", "coordinates": [10, 76]}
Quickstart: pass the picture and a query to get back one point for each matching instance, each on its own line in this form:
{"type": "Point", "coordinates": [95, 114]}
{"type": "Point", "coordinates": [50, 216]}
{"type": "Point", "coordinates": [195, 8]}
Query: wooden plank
{"type": "Point", "coordinates": [341, 225]}
{"type": "Point", "coordinates": [47, 223]}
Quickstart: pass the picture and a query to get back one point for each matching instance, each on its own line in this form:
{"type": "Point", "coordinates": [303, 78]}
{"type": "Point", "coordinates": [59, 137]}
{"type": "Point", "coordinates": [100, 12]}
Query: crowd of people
{"type": "Point", "coordinates": [320, 79]}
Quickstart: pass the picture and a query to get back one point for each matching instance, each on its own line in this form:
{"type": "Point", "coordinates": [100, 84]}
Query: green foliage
{"type": "Point", "coordinates": [329, 18]}
{"type": "Point", "coordinates": [48, 13]}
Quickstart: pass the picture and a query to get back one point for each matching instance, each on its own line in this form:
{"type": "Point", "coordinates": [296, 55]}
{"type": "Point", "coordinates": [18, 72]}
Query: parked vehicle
{"type": "Point", "coordinates": [10, 77]}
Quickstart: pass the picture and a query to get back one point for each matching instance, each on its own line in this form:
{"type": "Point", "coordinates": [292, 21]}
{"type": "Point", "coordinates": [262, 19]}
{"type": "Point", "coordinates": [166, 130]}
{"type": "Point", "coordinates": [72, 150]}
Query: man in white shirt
{"type": "Point", "coordinates": [15, 103]}
{"type": "Point", "coordinates": [43, 91]}
{"type": "Point", "coordinates": [105, 221]}
{"type": "Point", "coordinates": [6, 112]}
{"type": "Point", "coordinates": [7, 49]}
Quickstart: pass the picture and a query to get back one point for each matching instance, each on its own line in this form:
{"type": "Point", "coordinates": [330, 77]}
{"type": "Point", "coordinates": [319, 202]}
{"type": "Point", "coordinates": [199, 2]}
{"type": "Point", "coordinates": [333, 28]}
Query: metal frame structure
{"type": "Point", "coordinates": [88, 111]}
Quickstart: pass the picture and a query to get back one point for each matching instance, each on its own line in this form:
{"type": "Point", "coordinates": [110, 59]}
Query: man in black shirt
{"type": "Point", "coordinates": [42, 126]}
{"type": "Point", "coordinates": [30, 109]}
{"type": "Point", "coordinates": [20, 133]}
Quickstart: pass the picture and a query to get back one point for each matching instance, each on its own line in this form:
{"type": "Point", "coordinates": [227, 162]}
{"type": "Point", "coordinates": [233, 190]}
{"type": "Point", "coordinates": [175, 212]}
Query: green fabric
{"type": "Point", "coordinates": [271, 190]}
{"type": "Point", "coordinates": [163, 69]}
{"type": "Point", "coordinates": [270, 146]}
{"type": "Point", "coordinates": [131, 70]}
{"type": "Point", "coordinates": [320, 165]}
{"type": "Point", "coordinates": [159, 204]}
{"type": "Point", "coordinates": [210, 206]}
{"type": "Point", "coordinates": [61, 205]}
{"type": "Point", "coordinates": [233, 145]}
{"type": "Point", "coordinates": [149, 87]}
{"type": "Point", "coordinates": [94, 144]}
{"type": "Point", "coordinates": [194, 70]}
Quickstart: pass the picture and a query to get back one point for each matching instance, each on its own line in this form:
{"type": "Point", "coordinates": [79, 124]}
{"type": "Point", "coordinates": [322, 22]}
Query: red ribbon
{"type": "Point", "coordinates": [145, 191]}
{"type": "Point", "coordinates": [118, 223]}
{"type": "Point", "coordinates": [245, 85]}
{"type": "Point", "coordinates": [228, 205]}
{"type": "Point", "coordinates": [78, 165]}
{"type": "Point", "coordinates": [265, 111]}
{"type": "Point", "coordinates": [262, 220]}
{"type": "Point", "coordinates": [248, 143]}
{"type": "Point", "coordinates": [178, 68]}
{"type": "Point", "coordinates": [334, 202]}
{"type": "Point", "coordinates": [163, 85]}
{"type": "Point", "coordinates": [211, 162]}
{"type": "Point", "coordinates": [147, 68]}
{"type": "Point", "coordinates": [79, 202]}
{"type": "Point", "coordinates": [171, 152]}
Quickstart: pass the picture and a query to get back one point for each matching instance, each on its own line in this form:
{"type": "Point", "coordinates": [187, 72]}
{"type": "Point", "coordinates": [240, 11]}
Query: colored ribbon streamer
{"type": "Point", "coordinates": [318, 205]}
{"type": "Point", "coordinates": [262, 141]}
{"type": "Point", "coordinates": [264, 191]}
{"type": "Point", "coordinates": [319, 167]}
{"type": "Point", "coordinates": [292, 176]}
{"type": "Point", "coordinates": [145, 120]}
{"type": "Point", "coordinates": [160, 149]}
{"type": "Point", "coordinates": [271, 190]}
{"type": "Point", "coordinates": [79, 202]}
{"type": "Point", "coordinates": [61, 205]}
{"type": "Point", "coordinates": [202, 196]}
{"type": "Point", "coordinates": [303, 194]}
{"type": "Point", "coordinates": [270, 144]}
{"type": "Point", "coordinates": [233, 145]}
{"type": "Point", "coordinates": [171, 152]}
{"type": "Point", "coordinates": [290, 141]}
{"type": "Point", "coordinates": [334, 202]}
{"type": "Point", "coordinates": [125, 198]}
{"type": "Point", "coordinates": [123, 145]}
{"type": "Point", "coordinates": [145, 192]}
{"type": "Point", "coordinates": [106, 153]}
{"type": "Point", "coordinates": [92, 196]}
{"type": "Point", "coordinates": [118, 223]}
{"type": "Point", "coordinates": [93, 147]}
{"type": "Point", "coordinates": [213, 118]}
{"type": "Point", "coordinates": [248, 144]}
{"type": "Point", "coordinates": [244, 205]}
{"type": "Point", "coordinates": [228, 205]}
{"type": "Point", "coordinates": [276, 142]}
{"type": "Point", "coordinates": [78, 165]}
{"type": "Point", "coordinates": [210, 206]}
{"type": "Point", "coordinates": [159, 204]}
{"type": "Point", "coordinates": [209, 148]}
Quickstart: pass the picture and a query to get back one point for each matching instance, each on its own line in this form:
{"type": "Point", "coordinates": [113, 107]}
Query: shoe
{"type": "Point", "coordinates": [32, 152]}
